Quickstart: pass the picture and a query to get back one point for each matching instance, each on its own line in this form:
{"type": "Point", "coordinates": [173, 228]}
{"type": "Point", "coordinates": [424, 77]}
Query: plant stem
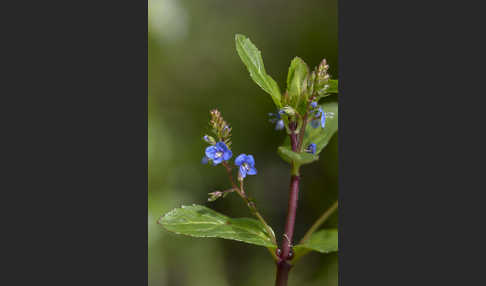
{"type": "Point", "coordinates": [283, 269]}
{"type": "Point", "coordinates": [250, 205]}
{"type": "Point", "coordinates": [283, 264]}
{"type": "Point", "coordinates": [319, 222]}
{"type": "Point", "coordinates": [253, 209]}
{"type": "Point", "coordinates": [301, 137]}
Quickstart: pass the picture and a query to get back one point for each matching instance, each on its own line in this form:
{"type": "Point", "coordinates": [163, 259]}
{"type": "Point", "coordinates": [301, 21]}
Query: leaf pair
{"type": "Point", "coordinates": [200, 221]}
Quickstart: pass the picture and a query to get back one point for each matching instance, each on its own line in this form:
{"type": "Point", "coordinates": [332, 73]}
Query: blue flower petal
{"type": "Point", "coordinates": [221, 146]}
{"type": "Point", "coordinates": [218, 160]}
{"type": "Point", "coordinates": [250, 160]}
{"type": "Point", "coordinates": [315, 123]}
{"type": "Point", "coordinates": [252, 171]}
{"type": "Point", "coordinates": [314, 104]}
{"type": "Point", "coordinates": [280, 125]}
{"type": "Point", "coordinates": [242, 172]}
{"type": "Point", "coordinates": [204, 160]}
{"type": "Point", "coordinates": [311, 148]}
{"type": "Point", "coordinates": [227, 155]}
{"type": "Point", "coordinates": [240, 159]}
{"type": "Point", "coordinates": [323, 119]}
{"type": "Point", "coordinates": [211, 151]}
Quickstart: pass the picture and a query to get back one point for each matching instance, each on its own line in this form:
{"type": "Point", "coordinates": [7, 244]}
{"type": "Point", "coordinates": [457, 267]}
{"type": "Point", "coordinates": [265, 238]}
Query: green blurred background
{"type": "Point", "coordinates": [194, 67]}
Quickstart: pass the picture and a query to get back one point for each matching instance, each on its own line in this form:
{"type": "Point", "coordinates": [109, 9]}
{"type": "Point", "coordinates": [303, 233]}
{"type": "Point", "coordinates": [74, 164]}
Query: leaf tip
{"type": "Point", "coordinates": [240, 37]}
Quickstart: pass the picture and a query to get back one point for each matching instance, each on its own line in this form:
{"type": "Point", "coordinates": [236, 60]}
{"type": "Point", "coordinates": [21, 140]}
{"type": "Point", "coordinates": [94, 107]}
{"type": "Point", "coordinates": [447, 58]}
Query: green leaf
{"type": "Point", "coordinates": [296, 79]}
{"type": "Point", "coordinates": [300, 158]}
{"type": "Point", "coordinates": [323, 241]}
{"type": "Point", "coordinates": [253, 61]}
{"type": "Point", "coordinates": [200, 221]}
{"type": "Point", "coordinates": [333, 86]}
{"type": "Point", "coordinates": [319, 136]}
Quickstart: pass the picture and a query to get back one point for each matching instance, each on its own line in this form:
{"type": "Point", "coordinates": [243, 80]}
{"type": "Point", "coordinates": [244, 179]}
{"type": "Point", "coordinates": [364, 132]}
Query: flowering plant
{"type": "Point", "coordinates": [309, 125]}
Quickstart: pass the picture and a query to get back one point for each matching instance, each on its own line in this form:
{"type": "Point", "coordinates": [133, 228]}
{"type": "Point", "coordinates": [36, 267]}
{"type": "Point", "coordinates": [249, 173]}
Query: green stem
{"type": "Point", "coordinates": [319, 222]}
{"type": "Point", "coordinates": [251, 206]}
{"type": "Point", "coordinates": [254, 210]}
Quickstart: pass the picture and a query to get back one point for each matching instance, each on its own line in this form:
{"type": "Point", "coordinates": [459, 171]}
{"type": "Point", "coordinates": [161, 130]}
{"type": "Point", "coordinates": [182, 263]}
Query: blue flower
{"type": "Point", "coordinates": [246, 164]}
{"type": "Point", "coordinates": [280, 125]}
{"type": "Point", "coordinates": [218, 153]}
{"type": "Point", "coordinates": [319, 114]}
{"type": "Point", "coordinates": [314, 104]}
{"type": "Point", "coordinates": [277, 119]}
{"type": "Point", "coordinates": [314, 123]}
{"type": "Point", "coordinates": [323, 118]}
{"type": "Point", "coordinates": [311, 148]}
{"type": "Point", "coordinates": [204, 160]}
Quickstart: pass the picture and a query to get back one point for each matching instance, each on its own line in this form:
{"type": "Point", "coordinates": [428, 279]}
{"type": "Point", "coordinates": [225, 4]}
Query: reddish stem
{"type": "Point", "coordinates": [283, 265]}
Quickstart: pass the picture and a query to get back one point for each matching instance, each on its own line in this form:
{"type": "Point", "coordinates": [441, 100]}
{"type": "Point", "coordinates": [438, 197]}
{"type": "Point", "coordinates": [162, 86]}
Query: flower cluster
{"type": "Point", "coordinates": [322, 78]}
{"type": "Point", "coordinates": [220, 151]}
{"type": "Point", "coordinates": [220, 128]}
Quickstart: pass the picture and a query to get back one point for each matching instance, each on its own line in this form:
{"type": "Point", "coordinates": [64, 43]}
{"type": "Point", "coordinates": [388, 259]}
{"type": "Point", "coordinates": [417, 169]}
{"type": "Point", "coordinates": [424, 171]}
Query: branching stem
{"type": "Point", "coordinates": [251, 205]}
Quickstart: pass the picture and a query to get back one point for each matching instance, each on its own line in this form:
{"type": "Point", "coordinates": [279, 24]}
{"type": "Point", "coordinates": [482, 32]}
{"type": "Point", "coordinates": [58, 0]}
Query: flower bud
{"type": "Point", "coordinates": [226, 131]}
{"type": "Point", "coordinates": [209, 139]}
{"type": "Point", "coordinates": [220, 128]}
{"type": "Point", "coordinates": [214, 196]}
{"type": "Point", "coordinates": [288, 110]}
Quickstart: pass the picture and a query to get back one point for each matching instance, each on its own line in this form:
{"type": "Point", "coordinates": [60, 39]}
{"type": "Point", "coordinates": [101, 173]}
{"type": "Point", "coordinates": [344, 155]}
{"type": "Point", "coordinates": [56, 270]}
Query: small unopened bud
{"type": "Point", "coordinates": [214, 196]}
{"type": "Point", "coordinates": [209, 139]}
{"type": "Point", "coordinates": [226, 131]}
{"type": "Point", "coordinates": [288, 110]}
{"type": "Point", "coordinates": [323, 66]}
{"type": "Point", "coordinates": [215, 113]}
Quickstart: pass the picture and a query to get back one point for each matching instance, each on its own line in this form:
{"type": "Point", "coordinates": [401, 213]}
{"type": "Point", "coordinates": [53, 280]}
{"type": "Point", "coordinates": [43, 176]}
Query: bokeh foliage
{"type": "Point", "coordinates": [193, 67]}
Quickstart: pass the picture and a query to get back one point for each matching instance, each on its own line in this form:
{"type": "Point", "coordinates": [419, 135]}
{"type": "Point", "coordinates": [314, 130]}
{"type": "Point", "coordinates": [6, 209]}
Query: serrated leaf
{"type": "Point", "coordinates": [300, 158]}
{"type": "Point", "coordinates": [200, 221]}
{"type": "Point", "coordinates": [253, 61]}
{"type": "Point", "coordinates": [298, 70]}
{"type": "Point", "coordinates": [323, 241]}
{"type": "Point", "coordinates": [320, 136]}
